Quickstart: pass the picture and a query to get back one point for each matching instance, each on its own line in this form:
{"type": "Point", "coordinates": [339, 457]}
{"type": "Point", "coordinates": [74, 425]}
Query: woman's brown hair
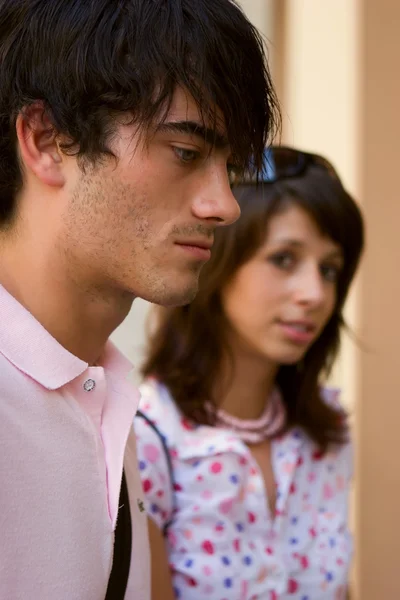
{"type": "Point", "coordinates": [189, 343]}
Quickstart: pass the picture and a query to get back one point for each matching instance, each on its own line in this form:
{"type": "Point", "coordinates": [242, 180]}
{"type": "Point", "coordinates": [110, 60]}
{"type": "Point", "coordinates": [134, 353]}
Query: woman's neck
{"type": "Point", "coordinates": [243, 391]}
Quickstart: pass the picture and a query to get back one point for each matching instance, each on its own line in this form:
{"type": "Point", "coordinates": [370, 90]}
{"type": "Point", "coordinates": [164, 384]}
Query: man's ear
{"type": "Point", "coordinates": [38, 146]}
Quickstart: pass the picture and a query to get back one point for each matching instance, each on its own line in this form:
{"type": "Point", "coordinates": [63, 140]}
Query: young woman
{"type": "Point", "coordinates": [245, 457]}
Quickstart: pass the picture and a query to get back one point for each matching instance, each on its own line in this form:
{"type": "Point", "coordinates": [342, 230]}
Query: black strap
{"type": "Point", "coordinates": [118, 581]}
{"type": "Point", "coordinates": [139, 413]}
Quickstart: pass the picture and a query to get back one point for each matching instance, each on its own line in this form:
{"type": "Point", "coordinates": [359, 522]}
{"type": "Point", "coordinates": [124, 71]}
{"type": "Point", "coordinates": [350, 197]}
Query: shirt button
{"type": "Point", "coordinates": [89, 385]}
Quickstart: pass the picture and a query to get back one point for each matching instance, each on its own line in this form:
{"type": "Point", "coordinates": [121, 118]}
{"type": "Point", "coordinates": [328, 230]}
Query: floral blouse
{"type": "Point", "coordinates": [222, 541]}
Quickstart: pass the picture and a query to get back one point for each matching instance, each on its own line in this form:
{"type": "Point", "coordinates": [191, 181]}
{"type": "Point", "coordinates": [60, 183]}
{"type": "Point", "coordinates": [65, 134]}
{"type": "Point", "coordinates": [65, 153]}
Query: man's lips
{"type": "Point", "coordinates": [197, 248]}
{"type": "Point", "coordinates": [197, 243]}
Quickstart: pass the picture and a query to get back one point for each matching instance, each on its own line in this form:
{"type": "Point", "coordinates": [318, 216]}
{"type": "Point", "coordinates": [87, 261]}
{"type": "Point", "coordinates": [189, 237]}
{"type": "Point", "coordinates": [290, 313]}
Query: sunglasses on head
{"type": "Point", "coordinates": [281, 162]}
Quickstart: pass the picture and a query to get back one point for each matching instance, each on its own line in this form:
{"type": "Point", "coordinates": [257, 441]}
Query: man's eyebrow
{"type": "Point", "coordinates": [210, 136]}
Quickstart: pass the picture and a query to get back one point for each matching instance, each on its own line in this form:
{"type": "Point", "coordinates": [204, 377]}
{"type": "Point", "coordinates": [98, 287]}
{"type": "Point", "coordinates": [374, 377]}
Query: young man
{"type": "Point", "coordinates": [120, 122]}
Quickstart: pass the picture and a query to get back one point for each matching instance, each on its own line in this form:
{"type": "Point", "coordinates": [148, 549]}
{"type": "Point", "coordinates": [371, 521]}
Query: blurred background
{"type": "Point", "coordinates": [335, 65]}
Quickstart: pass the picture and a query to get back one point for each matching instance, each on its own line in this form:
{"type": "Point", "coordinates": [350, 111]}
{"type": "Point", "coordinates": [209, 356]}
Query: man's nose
{"type": "Point", "coordinates": [215, 200]}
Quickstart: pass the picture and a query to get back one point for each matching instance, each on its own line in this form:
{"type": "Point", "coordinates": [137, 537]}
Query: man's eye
{"type": "Point", "coordinates": [185, 155]}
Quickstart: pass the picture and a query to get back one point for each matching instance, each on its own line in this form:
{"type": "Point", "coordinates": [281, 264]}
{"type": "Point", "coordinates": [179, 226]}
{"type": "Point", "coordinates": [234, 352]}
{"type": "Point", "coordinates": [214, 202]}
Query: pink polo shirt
{"type": "Point", "coordinates": [65, 433]}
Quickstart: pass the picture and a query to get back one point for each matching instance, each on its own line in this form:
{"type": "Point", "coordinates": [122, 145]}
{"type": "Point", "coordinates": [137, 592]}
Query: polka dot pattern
{"type": "Point", "coordinates": [223, 543]}
{"type": "Point", "coordinates": [151, 453]}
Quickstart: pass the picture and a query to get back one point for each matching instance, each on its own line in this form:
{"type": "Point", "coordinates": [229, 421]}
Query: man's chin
{"type": "Point", "coordinates": [180, 297]}
{"type": "Point", "coordinates": [172, 294]}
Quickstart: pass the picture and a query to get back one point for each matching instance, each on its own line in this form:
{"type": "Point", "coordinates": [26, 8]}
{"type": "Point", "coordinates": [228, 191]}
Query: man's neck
{"type": "Point", "coordinates": [80, 317]}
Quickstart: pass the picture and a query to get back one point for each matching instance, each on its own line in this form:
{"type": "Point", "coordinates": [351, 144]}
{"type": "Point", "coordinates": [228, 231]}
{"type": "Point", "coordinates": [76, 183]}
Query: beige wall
{"type": "Point", "coordinates": [379, 414]}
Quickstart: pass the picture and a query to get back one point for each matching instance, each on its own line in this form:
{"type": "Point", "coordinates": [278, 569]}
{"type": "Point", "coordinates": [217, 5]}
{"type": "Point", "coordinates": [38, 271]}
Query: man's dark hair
{"type": "Point", "coordinates": [87, 61]}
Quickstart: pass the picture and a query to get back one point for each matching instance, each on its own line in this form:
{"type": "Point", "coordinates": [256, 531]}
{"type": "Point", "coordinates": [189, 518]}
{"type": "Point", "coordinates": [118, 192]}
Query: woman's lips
{"type": "Point", "coordinates": [299, 332]}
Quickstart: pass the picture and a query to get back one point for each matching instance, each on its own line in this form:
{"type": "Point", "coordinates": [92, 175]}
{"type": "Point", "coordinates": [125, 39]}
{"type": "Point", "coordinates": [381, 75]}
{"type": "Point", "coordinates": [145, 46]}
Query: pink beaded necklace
{"type": "Point", "coordinates": [254, 431]}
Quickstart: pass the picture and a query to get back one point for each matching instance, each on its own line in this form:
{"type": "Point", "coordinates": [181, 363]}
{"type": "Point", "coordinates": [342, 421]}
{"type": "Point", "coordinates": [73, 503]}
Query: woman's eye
{"type": "Point", "coordinates": [330, 273]}
{"type": "Point", "coordinates": [185, 155]}
{"type": "Point", "coordinates": [283, 260]}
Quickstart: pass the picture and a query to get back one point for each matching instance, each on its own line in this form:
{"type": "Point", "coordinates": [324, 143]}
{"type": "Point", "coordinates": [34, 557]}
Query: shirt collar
{"type": "Point", "coordinates": [31, 348]}
{"type": "Point", "coordinates": [195, 441]}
